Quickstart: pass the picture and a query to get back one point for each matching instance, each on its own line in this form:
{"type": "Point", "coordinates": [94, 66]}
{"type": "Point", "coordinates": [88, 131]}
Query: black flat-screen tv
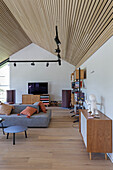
{"type": "Point", "coordinates": [38, 88]}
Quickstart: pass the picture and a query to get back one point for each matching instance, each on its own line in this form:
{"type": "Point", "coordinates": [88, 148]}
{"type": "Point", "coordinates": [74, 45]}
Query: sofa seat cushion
{"type": "Point", "coordinates": [37, 120]}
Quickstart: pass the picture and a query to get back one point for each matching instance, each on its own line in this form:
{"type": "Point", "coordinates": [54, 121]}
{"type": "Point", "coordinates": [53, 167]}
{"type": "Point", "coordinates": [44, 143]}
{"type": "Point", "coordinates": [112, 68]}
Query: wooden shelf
{"type": "Point", "coordinates": [82, 74]}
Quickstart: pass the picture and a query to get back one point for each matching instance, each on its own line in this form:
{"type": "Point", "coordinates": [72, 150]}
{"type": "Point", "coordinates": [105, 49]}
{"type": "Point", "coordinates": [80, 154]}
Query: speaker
{"type": "Point", "coordinates": [11, 96]}
{"type": "Point", "coordinates": [66, 98]}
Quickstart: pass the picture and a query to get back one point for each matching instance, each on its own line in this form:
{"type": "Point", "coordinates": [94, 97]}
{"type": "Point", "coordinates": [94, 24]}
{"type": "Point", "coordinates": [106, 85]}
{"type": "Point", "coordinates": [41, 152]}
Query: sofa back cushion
{"type": "Point", "coordinates": [19, 108]}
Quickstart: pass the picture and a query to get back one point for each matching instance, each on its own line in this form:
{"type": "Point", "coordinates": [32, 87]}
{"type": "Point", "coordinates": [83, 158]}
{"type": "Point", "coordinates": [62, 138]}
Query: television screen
{"type": "Point", "coordinates": [38, 88]}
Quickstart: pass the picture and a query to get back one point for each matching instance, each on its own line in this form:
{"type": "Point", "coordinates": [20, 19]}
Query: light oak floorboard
{"type": "Point", "coordinates": [59, 147]}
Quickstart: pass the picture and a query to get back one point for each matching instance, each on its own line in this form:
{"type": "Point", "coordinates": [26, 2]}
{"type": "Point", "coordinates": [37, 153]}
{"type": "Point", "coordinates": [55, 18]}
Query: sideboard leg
{"type": "Point", "coordinates": [105, 156]}
{"type": "Point", "coordinates": [90, 155]}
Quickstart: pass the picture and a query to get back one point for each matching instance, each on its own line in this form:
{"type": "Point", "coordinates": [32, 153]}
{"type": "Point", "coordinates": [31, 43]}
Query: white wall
{"type": "Point", "coordinates": [58, 77]}
{"type": "Point", "coordinates": [100, 78]}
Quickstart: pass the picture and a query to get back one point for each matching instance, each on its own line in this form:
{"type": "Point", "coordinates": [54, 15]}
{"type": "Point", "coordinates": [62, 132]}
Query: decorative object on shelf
{"type": "Point", "coordinates": [92, 105]}
{"type": "Point", "coordinates": [72, 77]}
{"type": "Point", "coordinates": [81, 98]}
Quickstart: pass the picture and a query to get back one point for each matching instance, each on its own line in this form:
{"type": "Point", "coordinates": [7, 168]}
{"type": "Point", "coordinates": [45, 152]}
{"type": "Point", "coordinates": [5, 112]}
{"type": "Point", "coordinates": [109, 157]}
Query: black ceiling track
{"type": "Point", "coordinates": [4, 62]}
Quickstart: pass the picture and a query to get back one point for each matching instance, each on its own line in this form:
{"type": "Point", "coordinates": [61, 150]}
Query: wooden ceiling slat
{"type": "Point", "coordinates": [100, 27]}
{"type": "Point", "coordinates": [100, 41]}
{"type": "Point", "coordinates": [91, 34]}
{"type": "Point", "coordinates": [74, 42]}
{"type": "Point", "coordinates": [83, 32]}
{"type": "Point", "coordinates": [81, 23]}
{"type": "Point", "coordinates": [94, 39]}
{"type": "Point", "coordinates": [12, 36]}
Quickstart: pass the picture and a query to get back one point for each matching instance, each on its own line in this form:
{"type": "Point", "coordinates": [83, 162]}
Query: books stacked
{"type": "Point", "coordinates": [45, 99]}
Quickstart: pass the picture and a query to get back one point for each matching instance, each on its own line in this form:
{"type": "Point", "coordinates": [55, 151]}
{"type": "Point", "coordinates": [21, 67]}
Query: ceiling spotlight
{"type": "Point", "coordinates": [58, 55]}
{"type": "Point", "coordinates": [57, 40]}
{"type": "Point", "coordinates": [14, 64]}
{"type": "Point", "coordinates": [47, 64]}
{"type": "Point", "coordinates": [59, 62]}
{"type": "Point", "coordinates": [57, 50]}
{"type": "Point", "coordinates": [32, 64]}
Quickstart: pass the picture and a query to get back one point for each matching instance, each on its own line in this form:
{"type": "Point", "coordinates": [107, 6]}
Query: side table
{"type": "Point", "coordinates": [15, 129]}
{"type": "Point", "coordinates": [1, 121]}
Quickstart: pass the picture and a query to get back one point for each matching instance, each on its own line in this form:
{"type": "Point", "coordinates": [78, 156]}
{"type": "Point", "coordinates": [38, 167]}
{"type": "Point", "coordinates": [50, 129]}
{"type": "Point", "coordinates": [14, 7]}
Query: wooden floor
{"type": "Point", "coordinates": [59, 147]}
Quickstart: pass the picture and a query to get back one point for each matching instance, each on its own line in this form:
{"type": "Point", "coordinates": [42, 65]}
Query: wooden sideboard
{"type": "Point", "coordinates": [30, 98]}
{"type": "Point", "coordinates": [96, 132]}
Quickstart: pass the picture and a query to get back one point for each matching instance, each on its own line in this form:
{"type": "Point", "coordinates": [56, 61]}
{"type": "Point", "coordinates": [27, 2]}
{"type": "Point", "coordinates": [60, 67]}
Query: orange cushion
{"type": "Point", "coordinates": [42, 106]}
{"type": "Point", "coordinates": [29, 111]}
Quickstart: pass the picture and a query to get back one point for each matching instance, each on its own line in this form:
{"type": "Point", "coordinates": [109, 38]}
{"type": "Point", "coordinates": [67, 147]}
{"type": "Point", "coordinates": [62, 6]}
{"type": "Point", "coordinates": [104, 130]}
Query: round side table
{"type": "Point", "coordinates": [15, 129]}
{"type": "Point", "coordinates": [1, 121]}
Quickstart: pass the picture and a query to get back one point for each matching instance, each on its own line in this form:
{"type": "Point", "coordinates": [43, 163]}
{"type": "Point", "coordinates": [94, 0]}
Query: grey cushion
{"type": "Point", "coordinates": [36, 103]}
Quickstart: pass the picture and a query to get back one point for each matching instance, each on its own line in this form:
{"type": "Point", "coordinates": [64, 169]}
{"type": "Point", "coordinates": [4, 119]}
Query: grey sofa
{"type": "Point", "coordinates": [36, 120]}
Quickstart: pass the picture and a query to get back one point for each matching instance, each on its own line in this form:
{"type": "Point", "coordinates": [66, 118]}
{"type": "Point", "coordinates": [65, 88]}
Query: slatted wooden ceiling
{"type": "Point", "coordinates": [82, 24]}
{"type": "Point", "coordinates": [12, 36]}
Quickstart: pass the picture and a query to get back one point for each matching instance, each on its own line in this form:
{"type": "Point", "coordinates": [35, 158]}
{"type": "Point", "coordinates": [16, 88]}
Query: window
{"type": "Point", "coordinates": [4, 82]}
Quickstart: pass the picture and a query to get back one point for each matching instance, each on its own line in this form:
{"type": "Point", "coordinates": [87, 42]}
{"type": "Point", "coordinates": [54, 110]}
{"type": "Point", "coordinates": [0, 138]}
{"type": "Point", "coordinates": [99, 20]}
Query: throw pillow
{"type": "Point", "coordinates": [5, 109]}
{"type": "Point", "coordinates": [36, 103]}
{"type": "Point", "coordinates": [42, 106]}
{"type": "Point", "coordinates": [29, 111]}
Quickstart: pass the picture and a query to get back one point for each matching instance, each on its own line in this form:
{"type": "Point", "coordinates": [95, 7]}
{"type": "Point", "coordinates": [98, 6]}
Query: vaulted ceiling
{"type": "Point", "coordinates": [83, 26]}
{"type": "Point", "coordinates": [12, 36]}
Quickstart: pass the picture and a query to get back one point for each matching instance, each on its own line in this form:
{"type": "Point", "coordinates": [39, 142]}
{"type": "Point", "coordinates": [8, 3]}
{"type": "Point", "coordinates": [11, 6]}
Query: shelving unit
{"type": "Point", "coordinates": [45, 99]}
{"type": "Point", "coordinates": [77, 77]}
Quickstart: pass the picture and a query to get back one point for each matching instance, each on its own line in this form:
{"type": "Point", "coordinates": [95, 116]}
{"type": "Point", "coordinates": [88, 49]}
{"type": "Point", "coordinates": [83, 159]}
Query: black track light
{"type": "Point", "coordinates": [32, 64]}
{"type": "Point", "coordinates": [59, 62]}
{"type": "Point", "coordinates": [56, 37]}
{"type": "Point", "coordinates": [47, 64]}
{"type": "Point", "coordinates": [57, 50]}
{"type": "Point", "coordinates": [14, 64]}
{"type": "Point", "coordinates": [58, 55]}
{"type": "Point", "coordinates": [57, 40]}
